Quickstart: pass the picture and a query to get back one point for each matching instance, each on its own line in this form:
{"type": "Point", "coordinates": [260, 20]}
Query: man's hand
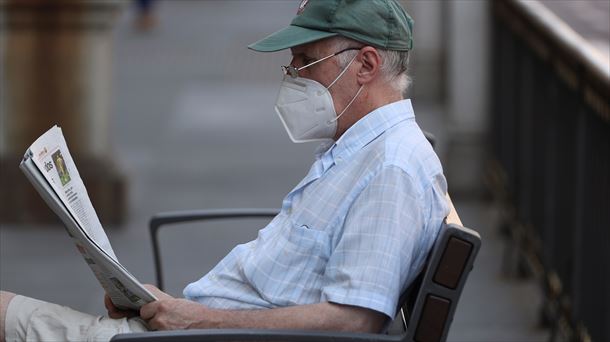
{"type": "Point", "coordinates": [172, 314]}
{"type": "Point", "coordinates": [169, 313]}
{"type": "Point", "coordinates": [116, 313]}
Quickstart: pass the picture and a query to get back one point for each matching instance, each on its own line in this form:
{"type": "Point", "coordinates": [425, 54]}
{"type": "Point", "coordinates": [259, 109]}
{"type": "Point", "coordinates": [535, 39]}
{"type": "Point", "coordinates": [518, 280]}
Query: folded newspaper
{"type": "Point", "coordinates": [49, 167]}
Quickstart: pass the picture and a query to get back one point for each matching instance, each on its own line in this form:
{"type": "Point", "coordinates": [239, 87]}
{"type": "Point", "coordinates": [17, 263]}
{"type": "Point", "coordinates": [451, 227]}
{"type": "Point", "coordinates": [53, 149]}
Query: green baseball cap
{"type": "Point", "coordinates": [380, 23]}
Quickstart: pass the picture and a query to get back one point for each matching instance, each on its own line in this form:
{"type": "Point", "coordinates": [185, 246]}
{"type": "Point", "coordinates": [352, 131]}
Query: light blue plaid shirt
{"type": "Point", "coordinates": [356, 230]}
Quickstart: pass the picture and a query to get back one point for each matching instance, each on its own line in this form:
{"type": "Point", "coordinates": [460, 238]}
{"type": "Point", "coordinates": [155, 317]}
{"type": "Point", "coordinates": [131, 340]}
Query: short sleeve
{"type": "Point", "coordinates": [383, 243]}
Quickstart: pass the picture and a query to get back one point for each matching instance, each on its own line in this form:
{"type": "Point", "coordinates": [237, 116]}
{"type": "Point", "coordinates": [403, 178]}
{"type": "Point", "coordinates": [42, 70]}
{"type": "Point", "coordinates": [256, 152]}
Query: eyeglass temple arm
{"type": "Point", "coordinates": [325, 58]}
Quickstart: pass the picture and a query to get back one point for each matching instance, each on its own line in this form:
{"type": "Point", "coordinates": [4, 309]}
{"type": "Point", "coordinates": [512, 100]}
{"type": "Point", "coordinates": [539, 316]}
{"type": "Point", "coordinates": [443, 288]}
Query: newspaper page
{"type": "Point", "coordinates": [51, 170]}
{"type": "Point", "coordinates": [50, 153]}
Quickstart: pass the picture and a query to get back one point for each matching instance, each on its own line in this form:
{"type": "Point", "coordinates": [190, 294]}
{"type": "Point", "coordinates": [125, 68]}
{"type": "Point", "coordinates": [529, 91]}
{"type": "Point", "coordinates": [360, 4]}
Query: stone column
{"type": "Point", "coordinates": [427, 63]}
{"type": "Point", "coordinates": [55, 67]}
{"type": "Point", "coordinates": [468, 95]}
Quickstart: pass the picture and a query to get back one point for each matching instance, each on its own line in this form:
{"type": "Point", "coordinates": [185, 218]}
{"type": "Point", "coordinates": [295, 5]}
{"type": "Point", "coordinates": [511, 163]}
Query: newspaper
{"type": "Point", "coordinates": [48, 165]}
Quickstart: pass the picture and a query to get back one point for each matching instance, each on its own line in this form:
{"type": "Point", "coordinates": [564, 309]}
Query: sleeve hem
{"type": "Point", "coordinates": [363, 299]}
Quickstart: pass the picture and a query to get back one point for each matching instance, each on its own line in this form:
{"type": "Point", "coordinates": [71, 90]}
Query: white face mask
{"type": "Point", "coordinates": [307, 110]}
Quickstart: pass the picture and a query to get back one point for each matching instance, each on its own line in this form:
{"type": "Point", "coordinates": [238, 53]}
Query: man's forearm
{"type": "Point", "coordinates": [322, 316]}
{"type": "Point", "coordinates": [170, 313]}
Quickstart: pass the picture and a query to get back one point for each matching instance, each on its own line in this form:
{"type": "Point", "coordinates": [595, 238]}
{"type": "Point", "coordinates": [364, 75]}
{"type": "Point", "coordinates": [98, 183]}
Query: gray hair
{"type": "Point", "coordinates": [394, 65]}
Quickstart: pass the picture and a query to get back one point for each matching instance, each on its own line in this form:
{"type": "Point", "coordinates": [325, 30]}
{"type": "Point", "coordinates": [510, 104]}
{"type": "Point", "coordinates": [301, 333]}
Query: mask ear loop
{"type": "Point", "coordinates": [342, 72]}
{"type": "Point", "coordinates": [353, 98]}
{"type": "Point", "coordinates": [349, 104]}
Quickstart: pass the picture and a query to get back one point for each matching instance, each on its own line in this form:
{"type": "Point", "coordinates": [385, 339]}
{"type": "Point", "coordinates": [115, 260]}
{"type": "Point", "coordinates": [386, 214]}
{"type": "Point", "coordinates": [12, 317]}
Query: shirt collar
{"type": "Point", "coordinates": [367, 129]}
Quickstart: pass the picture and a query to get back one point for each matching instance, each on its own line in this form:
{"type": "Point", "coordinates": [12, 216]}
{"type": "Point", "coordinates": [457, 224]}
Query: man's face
{"type": "Point", "coordinates": [325, 72]}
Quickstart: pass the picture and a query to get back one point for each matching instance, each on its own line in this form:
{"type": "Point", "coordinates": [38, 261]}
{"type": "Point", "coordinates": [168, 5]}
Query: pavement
{"type": "Point", "coordinates": [193, 126]}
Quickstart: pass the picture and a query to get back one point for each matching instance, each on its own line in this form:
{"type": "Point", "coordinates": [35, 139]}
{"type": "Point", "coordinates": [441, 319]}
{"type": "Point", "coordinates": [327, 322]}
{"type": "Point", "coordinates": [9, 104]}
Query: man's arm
{"type": "Point", "coordinates": [168, 314]}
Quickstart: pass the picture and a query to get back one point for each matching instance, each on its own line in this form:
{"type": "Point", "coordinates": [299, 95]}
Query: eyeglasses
{"type": "Point", "coordinates": [294, 71]}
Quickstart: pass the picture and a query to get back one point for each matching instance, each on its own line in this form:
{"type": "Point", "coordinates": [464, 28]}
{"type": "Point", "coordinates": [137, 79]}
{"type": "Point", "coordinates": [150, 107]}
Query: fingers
{"type": "Point", "coordinates": [148, 311]}
{"type": "Point", "coordinates": [156, 314]}
{"type": "Point", "coordinates": [150, 314]}
{"type": "Point", "coordinates": [109, 304]}
{"type": "Point", "coordinates": [113, 312]}
{"type": "Point", "coordinates": [120, 314]}
{"type": "Point", "coordinates": [116, 313]}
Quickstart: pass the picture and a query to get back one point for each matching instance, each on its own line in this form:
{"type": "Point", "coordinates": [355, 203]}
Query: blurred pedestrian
{"type": "Point", "coordinates": [145, 19]}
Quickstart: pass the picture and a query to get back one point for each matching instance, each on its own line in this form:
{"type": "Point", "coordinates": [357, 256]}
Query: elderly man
{"type": "Point", "coordinates": [350, 236]}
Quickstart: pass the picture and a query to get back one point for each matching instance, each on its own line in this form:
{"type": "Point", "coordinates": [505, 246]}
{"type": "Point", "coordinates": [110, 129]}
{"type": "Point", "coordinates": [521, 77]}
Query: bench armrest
{"type": "Point", "coordinates": [172, 217]}
{"type": "Point", "coordinates": [207, 335]}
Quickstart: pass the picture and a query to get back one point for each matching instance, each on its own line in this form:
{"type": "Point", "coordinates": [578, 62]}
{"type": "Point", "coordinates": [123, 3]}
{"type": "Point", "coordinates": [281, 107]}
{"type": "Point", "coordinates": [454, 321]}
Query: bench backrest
{"type": "Point", "coordinates": [428, 306]}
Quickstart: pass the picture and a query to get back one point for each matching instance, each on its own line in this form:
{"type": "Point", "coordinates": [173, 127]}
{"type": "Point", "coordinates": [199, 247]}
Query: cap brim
{"type": "Point", "coordinates": [289, 37]}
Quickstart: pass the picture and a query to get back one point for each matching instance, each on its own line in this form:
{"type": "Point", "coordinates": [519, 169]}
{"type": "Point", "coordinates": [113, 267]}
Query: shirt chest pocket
{"type": "Point", "coordinates": [308, 241]}
{"type": "Point", "coordinates": [289, 269]}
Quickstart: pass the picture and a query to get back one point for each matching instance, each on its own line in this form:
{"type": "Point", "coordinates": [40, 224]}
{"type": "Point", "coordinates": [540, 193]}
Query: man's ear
{"type": "Point", "coordinates": [370, 64]}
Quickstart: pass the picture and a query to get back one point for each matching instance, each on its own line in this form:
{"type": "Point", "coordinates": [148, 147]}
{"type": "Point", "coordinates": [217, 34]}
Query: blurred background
{"type": "Point", "coordinates": [164, 108]}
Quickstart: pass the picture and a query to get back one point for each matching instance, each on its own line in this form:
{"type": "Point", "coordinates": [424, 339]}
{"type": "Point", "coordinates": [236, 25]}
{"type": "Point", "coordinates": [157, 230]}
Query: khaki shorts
{"type": "Point", "coordinates": [29, 319]}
